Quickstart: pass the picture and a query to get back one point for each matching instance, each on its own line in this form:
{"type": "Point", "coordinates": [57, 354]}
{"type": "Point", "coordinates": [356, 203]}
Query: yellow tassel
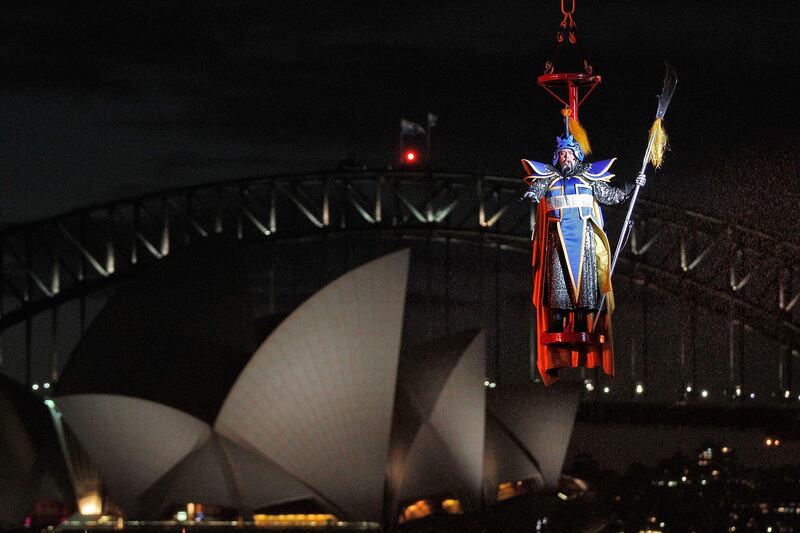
{"type": "Point", "coordinates": [580, 135]}
{"type": "Point", "coordinates": [660, 139]}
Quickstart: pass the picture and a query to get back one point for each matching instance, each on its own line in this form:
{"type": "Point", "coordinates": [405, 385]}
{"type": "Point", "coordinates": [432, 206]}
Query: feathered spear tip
{"type": "Point", "coordinates": [660, 139]}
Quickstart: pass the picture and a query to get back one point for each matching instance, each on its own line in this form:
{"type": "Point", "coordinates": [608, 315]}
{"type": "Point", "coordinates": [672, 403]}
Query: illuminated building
{"type": "Point", "coordinates": [314, 414]}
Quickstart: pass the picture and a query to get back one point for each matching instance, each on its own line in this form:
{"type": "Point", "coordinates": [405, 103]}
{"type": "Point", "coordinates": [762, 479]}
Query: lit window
{"type": "Point", "coordinates": [90, 504]}
{"type": "Point", "coordinates": [417, 510]}
{"type": "Point", "coordinates": [451, 506]}
{"type": "Point", "coordinates": [301, 520]}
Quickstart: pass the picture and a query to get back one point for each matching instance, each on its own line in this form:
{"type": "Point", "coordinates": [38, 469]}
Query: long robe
{"type": "Point", "coordinates": [559, 282]}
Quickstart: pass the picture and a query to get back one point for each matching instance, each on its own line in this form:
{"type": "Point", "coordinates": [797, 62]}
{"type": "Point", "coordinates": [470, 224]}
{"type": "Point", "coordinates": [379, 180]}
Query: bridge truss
{"type": "Point", "coordinates": [749, 278]}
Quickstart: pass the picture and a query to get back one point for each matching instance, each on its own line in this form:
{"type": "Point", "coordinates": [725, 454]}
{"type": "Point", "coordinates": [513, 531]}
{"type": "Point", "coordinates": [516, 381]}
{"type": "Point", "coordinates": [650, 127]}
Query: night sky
{"type": "Point", "coordinates": [103, 100]}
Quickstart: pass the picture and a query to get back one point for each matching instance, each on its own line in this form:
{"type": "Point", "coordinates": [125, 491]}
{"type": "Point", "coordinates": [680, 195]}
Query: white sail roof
{"type": "Point", "coordinates": [132, 441]}
{"type": "Point", "coordinates": [226, 474]}
{"type": "Point", "coordinates": [541, 420]}
{"type": "Point", "coordinates": [446, 455]}
{"type": "Point", "coordinates": [317, 396]}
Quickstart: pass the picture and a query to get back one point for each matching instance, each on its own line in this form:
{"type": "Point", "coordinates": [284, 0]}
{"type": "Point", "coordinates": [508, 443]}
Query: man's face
{"type": "Point", "coordinates": [566, 159]}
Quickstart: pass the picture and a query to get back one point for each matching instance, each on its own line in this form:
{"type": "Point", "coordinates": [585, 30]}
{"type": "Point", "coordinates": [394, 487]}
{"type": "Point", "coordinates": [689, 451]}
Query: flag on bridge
{"type": "Point", "coordinates": [410, 128]}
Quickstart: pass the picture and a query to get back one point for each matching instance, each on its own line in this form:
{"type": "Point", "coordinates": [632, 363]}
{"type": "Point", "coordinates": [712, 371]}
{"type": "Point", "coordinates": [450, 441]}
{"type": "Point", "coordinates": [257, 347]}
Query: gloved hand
{"type": "Point", "coordinates": [529, 195]}
{"type": "Point", "coordinates": [640, 180]}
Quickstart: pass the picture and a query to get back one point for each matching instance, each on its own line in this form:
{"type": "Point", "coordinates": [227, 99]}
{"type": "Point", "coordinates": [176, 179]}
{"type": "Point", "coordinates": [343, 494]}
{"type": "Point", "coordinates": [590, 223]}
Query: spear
{"type": "Point", "coordinates": [653, 154]}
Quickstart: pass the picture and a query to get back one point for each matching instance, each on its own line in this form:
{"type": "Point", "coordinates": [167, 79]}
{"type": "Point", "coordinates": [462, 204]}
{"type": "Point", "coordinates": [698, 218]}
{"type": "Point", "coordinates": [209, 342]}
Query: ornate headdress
{"type": "Point", "coordinates": [567, 142]}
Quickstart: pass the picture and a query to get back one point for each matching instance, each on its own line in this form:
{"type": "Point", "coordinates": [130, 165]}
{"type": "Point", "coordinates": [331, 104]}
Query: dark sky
{"type": "Point", "coordinates": [101, 100]}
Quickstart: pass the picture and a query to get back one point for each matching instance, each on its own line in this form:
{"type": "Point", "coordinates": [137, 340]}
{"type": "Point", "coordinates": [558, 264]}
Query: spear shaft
{"type": "Point", "coordinates": [670, 79]}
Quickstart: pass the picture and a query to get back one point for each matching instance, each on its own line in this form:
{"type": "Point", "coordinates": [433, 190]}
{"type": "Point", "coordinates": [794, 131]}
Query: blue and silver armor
{"type": "Point", "coordinates": [574, 224]}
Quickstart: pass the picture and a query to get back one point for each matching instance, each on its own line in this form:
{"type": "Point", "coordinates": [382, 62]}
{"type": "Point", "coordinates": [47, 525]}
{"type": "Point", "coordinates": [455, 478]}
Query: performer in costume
{"type": "Point", "coordinates": [571, 257]}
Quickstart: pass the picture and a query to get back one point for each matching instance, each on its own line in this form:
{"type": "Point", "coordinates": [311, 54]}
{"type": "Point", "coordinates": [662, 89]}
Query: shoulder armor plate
{"type": "Point", "coordinates": [599, 170]}
{"type": "Point", "coordinates": [536, 170]}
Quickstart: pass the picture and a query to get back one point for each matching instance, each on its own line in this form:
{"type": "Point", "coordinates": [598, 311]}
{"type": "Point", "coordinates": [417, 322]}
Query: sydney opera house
{"type": "Point", "coordinates": [192, 395]}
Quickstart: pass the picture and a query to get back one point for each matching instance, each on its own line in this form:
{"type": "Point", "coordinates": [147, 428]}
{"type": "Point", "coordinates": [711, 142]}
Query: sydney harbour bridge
{"type": "Point", "coordinates": [708, 312]}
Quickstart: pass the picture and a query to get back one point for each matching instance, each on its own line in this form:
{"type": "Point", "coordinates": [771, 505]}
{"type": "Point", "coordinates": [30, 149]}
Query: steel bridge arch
{"type": "Point", "coordinates": [749, 277]}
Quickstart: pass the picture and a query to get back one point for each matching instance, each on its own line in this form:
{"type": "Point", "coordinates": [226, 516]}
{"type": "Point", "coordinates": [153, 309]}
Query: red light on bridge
{"type": "Point", "coordinates": [409, 156]}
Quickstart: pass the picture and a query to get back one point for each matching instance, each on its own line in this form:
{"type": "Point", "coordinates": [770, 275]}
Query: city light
{"type": "Point", "coordinates": [589, 385]}
{"type": "Point", "coordinates": [688, 388]}
{"type": "Point", "coordinates": [606, 389]}
{"type": "Point", "coordinates": [35, 386]}
{"type": "Point", "coordinates": [704, 393]}
{"type": "Point", "coordinates": [410, 156]}
{"type": "Point", "coordinates": [738, 391]}
{"type": "Point", "coordinates": [639, 388]}
{"type": "Point", "coordinates": [90, 504]}
{"type": "Point", "coordinates": [752, 395]}
{"type": "Point", "coordinates": [786, 394]}
{"type": "Point", "coordinates": [452, 506]}
{"type": "Point", "coordinates": [46, 385]}
{"type": "Point", "coordinates": [768, 441]}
